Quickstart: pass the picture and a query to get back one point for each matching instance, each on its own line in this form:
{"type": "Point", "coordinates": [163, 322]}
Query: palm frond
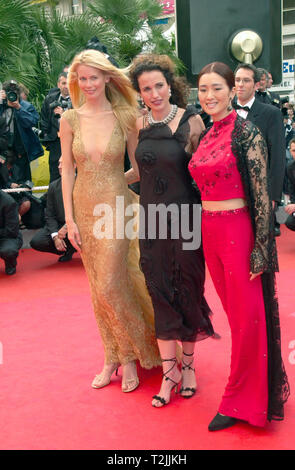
{"type": "Point", "coordinates": [35, 46]}
{"type": "Point", "coordinates": [125, 16]}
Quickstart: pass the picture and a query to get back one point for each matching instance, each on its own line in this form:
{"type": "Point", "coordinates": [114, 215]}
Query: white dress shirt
{"type": "Point", "coordinates": [243, 113]}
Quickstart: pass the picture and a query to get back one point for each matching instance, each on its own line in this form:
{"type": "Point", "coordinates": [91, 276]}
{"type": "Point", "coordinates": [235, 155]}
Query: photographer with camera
{"type": "Point", "coordinates": [11, 173]}
{"type": "Point", "coordinates": [20, 117]}
{"type": "Point", "coordinates": [55, 103]}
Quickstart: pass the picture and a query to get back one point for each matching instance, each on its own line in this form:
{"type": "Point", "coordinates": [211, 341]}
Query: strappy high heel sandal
{"type": "Point", "coordinates": [174, 386]}
{"type": "Point", "coordinates": [96, 381]}
{"type": "Point", "coordinates": [186, 366]}
{"type": "Point", "coordinates": [128, 385]}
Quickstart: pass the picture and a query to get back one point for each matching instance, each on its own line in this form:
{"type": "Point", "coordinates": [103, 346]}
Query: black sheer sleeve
{"type": "Point", "coordinates": [263, 256]}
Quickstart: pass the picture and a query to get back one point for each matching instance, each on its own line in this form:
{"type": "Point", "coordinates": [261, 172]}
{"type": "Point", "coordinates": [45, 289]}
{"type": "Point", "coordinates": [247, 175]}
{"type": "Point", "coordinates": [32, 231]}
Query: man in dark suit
{"type": "Point", "coordinates": [269, 121]}
{"type": "Point", "coordinates": [262, 93]}
{"type": "Point", "coordinates": [52, 238]}
{"type": "Point", "coordinates": [55, 103]}
{"type": "Point", "coordinates": [10, 236]}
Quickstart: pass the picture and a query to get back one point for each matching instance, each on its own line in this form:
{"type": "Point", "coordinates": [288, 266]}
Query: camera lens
{"type": "Point", "coordinates": [11, 96]}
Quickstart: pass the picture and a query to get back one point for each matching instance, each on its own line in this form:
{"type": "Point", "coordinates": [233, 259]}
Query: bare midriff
{"type": "Point", "coordinates": [228, 204]}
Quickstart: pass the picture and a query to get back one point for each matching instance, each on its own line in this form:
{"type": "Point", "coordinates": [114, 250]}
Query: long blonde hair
{"type": "Point", "coordinates": [119, 91]}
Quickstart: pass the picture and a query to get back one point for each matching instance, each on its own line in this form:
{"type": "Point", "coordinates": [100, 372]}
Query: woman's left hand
{"type": "Point", "coordinates": [254, 275]}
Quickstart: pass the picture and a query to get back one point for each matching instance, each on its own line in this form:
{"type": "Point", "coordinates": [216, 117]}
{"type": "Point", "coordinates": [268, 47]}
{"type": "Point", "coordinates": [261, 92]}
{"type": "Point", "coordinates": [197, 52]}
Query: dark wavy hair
{"type": "Point", "coordinates": [252, 68]}
{"type": "Point", "coordinates": [221, 69]}
{"type": "Point", "coordinates": [180, 89]}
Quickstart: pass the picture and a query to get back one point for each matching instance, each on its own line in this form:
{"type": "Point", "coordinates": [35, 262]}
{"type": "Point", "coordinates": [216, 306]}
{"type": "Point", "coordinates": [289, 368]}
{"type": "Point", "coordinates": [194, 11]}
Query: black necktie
{"type": "Point", "coordinates": [262, 93]}
{"type": "Point", "coordinates": [245, 108]}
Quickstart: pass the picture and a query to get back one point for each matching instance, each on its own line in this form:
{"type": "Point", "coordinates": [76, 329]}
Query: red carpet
{"type": "Point", "coordinates": [50, 350]}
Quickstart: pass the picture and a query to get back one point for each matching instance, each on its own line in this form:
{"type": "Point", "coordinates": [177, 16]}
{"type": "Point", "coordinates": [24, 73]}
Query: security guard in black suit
{"type": "Point", "coordinates": [263, 94]}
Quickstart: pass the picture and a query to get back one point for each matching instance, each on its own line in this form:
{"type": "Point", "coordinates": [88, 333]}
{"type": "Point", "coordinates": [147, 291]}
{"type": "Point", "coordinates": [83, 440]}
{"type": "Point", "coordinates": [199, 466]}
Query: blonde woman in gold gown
{"type": "Point", "coordinates": [93, 137]}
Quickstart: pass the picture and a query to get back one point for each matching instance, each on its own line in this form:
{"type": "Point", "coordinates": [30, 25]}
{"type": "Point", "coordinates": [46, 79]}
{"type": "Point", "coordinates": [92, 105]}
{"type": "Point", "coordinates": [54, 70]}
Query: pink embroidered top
{"type": "Point", "coordinates": [213, 166]}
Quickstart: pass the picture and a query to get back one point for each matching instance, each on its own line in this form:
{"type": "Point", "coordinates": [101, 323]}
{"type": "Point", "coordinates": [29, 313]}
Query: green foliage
{"type": "Point", "coordinates": [133, 23]}
{"type": "Point", "coordinates": [35, 46]}
{"type": "Point", "coordinates": [125, 16]}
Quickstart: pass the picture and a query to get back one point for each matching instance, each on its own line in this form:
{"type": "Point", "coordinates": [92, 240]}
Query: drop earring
{"type": "Point", "coordinates": [141, 102]}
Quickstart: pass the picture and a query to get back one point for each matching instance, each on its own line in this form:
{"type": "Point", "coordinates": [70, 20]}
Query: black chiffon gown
{"type": "Point", "coordinates": [174, 276]}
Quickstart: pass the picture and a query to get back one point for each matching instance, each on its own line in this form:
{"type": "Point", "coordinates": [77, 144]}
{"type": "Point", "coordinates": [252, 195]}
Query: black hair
{"type": "Point", "coordinates": [94, 43]}
{"type": "Point", "coordinates": [221, 69]}
{"type": "Point", "coordinates": [62, 75]}
{"type": "Point", "coordinates": [149, 62]}
{"type": "Point", "coordinates": [256, 74]}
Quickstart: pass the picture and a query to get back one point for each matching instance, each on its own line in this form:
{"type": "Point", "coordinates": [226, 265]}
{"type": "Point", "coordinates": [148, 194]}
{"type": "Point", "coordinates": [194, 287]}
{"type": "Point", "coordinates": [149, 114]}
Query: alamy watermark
{"type": "Point", "coordinates": [157, 221]}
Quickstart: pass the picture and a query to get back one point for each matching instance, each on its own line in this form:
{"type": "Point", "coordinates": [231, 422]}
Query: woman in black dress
{"type": "Point", "coordinates": [172, 263]}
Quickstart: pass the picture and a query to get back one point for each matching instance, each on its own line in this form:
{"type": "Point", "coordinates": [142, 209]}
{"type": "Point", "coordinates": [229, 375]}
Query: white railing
{"type": "Point", "coordinates": [19, 190]}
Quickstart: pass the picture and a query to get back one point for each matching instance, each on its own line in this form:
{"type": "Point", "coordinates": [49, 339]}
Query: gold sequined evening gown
{"type": "Point", "coordinates": [122, 306]}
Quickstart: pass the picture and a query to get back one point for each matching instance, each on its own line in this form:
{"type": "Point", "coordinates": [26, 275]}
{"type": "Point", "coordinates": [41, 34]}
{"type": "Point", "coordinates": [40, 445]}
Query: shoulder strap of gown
{"type": "Point", "coordinates": [190, 111]}
{"type": "Point", "coordinates": [71, 116]}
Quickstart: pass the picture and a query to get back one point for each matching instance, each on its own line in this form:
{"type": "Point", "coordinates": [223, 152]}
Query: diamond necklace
{"type": "Point", "coordinates": [167, 119]}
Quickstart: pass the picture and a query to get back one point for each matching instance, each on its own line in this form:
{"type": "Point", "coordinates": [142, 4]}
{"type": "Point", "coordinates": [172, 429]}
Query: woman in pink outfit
{"type": "Point", "coordinates": [230, 169]}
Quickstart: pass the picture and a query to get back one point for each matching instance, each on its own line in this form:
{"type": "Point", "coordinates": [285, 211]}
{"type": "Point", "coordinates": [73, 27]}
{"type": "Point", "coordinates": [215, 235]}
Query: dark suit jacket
{"type": "Point", "coordinates": [10, 176]}
{"type": "Point", "coordinates": [276, 99]}
{"type": "Point", "coordinates": [291, 180]}
{"type": "Point", "coordinates": [269, 121]}
{"type": "Point", "coordinates": [9, 222]}
{"type": "Point", "coordinates": [54, 212]}
{"type": "Point", "coordinates": [264, 97]}
{"type": "Point", "coordinates": [3, 135]}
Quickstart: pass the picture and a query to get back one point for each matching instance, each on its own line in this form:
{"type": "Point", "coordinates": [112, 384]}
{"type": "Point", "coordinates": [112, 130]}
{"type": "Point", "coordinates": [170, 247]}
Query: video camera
{"type": "Point", "coordinates": [63, 104]}
{"type": "Point", "coordinates": [285, 99]}
{"type": "Point", "coordinates": [28, 184]}
{"type": "Point", "coordinates": [94, 43]}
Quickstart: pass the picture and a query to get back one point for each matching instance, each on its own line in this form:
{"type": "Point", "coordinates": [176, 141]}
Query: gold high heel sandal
{"type": "Point", "coordinates": [97, 382]}
{"type": "Point", "coordinates": [128, 385]}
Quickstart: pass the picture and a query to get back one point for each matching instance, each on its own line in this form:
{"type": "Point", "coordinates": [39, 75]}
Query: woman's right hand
{"type": "Point", "coordinates": [254, 275]}
{"type": "Point", "coordinates": [74, 235]}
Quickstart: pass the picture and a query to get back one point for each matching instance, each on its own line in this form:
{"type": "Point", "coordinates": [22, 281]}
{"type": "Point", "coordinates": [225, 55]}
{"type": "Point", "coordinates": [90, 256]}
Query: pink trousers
{"type": "Point", "coordinates": [228, 241]}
